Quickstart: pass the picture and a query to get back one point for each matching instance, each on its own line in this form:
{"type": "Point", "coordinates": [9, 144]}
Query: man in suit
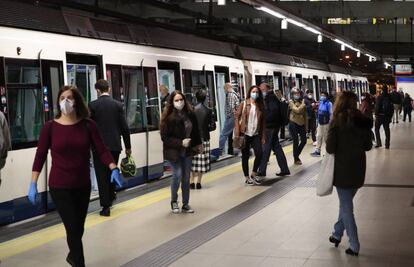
{"type": "Point", "coordinates": [109, 116]}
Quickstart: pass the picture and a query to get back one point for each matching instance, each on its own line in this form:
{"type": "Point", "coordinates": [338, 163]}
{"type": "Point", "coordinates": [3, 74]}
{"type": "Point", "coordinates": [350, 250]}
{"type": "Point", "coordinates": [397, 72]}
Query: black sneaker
{"type": "Point", "coordinates": [187, 209]}
{"type": "Point", "coordinates": [106, 212]}
{"type": "Point", "coordinates": [198, 186]}
{"type": "Point", "coordinates": [174, 207]}
{"type": "Point", "coordinates": [282, 173]}
{"type": "Point", "coordinates": [192, 186]}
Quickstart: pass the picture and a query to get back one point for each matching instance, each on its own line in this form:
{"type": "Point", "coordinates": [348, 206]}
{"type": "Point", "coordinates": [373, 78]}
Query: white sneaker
{"type": "Point", "coordinates": [315, 143]}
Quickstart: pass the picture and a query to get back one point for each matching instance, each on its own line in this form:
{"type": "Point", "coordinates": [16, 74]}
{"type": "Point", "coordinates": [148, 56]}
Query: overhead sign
{"type": "Point", "coordinates": [403, 69]}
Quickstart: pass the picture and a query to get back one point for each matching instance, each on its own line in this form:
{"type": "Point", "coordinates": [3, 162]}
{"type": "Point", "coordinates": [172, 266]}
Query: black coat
{"type": "Point", "coordinates": [204, 119]}
{"type": "Point", "coordinates": [407, 103]}
{"type": "Point", "coordinates": [396, 97]}
{"type": "Point", "coordinates": [349, 145]}
{"type": "Point", "coordinates": [173, 134]}
{"type": "Point", "coordinates": [109, 116]}
{"type": "Point", "coordinates": [272, 111]}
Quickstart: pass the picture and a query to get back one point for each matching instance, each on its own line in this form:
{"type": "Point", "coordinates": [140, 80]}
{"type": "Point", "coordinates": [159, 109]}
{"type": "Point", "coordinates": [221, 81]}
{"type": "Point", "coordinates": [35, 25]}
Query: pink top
{"type": "Point", "coordinates": [70, 149]}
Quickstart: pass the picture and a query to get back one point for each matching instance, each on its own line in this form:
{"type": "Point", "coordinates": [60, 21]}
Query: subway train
{"type": "Point", "coordinates": [35, 64]}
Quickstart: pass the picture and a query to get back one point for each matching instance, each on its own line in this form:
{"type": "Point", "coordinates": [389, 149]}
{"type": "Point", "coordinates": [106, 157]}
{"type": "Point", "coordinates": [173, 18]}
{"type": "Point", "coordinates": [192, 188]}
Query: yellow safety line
{"type": "Point", "coordinates": [46, 235]}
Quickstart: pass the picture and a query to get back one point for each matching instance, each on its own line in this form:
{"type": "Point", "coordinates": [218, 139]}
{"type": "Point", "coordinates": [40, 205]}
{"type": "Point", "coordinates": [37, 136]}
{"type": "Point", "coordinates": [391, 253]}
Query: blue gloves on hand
{"type": "Point", "coordinates": [116, 177]}
{"type": "Point", "coordinates": [32, 193]}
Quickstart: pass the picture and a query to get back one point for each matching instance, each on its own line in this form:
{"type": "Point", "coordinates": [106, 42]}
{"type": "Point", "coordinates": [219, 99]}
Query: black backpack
{"type": "Point", "coordinates": [387, 107]}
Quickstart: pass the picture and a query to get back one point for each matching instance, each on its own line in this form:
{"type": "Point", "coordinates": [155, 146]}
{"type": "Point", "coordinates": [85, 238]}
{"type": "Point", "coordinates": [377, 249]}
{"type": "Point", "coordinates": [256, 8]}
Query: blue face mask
{"type": "Point", "coordinates": [254, 96]}
{"type": "Point", "coordinates": [323, 98]}
{"type": "Point", "coordinates": [264, 94]}
{"type": "Point", "coordinates": [296, 97]}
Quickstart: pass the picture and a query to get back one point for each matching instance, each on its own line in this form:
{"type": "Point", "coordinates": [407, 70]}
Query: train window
{"type": "Point", "coordinates": [52, 81]}
{"type": "Point", "coordinates": [84, 78]}
{"type": "Point", "coordinates": [194, 80]}
{"type": "Point", "coordinates": [134, 98]}
{"type": "Point", "coordinates": [114, 77]}
{"type": "Point", "coordinates": [152, 103]}
{"type": "Point", "coordinates": [167, 78]}
{"type": "Point", "coordinates": [237, 81]}
{"type": "Point", "coordinates": [22, 72]}
{"type": "Point", "coordinates": [265, 79]}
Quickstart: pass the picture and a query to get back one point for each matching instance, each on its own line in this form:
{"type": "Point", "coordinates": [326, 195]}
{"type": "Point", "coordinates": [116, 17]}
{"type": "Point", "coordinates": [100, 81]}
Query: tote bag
{"type": "Point", "coordinates": [326, 175]}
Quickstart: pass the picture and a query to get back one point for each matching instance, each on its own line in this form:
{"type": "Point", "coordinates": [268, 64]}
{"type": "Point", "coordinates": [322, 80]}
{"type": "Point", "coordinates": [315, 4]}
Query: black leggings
{"type": "Point", "coordinates": [251, 142]}
{"type": "Point", "coordinates": [72, 205]}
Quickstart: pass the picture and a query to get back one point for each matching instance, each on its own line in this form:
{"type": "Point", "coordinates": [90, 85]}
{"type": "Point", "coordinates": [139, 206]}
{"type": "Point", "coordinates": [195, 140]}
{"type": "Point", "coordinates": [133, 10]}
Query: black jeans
{"type": "Point", "coordinates": [312, 128]}
{"type": "Point", "coordinates": [381, 120]}
{"type": "Point", "coordinates": [72, 205]}
{"type": "Point", "coordinates": [297, 131]}
{"type": "Point", "coordinates": [273, 144]}
{"type": "Point", "coordinates": [103, 177]}
{"type": "Point", "coordinates": [407, 111]}
{"type": "Point", "coordinates": [251, 142]}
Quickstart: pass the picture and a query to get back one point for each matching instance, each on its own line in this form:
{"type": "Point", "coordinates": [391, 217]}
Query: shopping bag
{"type": "Point", "coordinates": [128, 167]}
{"type": "Point", "coordinates": [326, 175]}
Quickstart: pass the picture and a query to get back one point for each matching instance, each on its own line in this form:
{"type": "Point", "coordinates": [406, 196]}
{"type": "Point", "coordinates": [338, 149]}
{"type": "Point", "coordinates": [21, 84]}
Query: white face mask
{"type": "Point", "coordinates": [66, 106]}
{"type": "Point", "coordinates": [179, 105]}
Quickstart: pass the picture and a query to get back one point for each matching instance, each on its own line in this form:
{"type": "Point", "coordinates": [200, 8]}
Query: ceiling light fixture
{"type": "Point", "coordinates": [221, 2]}
{"type": "Point", "coordinates": [297, 23]}
{"type": "Point", "coordinates": [342, 47]}
{"type": "Point", "coordinates": [284, 24]}
{"type": "Point", "coordinates": [358, 53]}
{"type": "Point", "coordinates": [320, 38]}
{"type": "Point", "coordinates": [271, 12]}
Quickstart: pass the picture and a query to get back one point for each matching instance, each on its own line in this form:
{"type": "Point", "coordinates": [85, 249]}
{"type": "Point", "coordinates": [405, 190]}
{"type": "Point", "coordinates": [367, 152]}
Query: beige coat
{"type": "Point", "coordinates": [298, 113]}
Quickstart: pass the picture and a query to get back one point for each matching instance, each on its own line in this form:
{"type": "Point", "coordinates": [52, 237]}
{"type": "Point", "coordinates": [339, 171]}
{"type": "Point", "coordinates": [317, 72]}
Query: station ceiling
{"type": "Point", "coordinates": [383, 27]}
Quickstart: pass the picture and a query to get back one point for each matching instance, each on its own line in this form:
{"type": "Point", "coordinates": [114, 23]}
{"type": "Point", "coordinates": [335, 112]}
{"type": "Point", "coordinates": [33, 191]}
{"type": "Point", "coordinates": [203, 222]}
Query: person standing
{"type": "Point", "coordinates": [366, 105]}
{"type": "Point", "coordinates": [408, 107]}
{"type": "Point", "coordinates": [165, 94]}
{"type": "Point", "coordinates": [252, 127]}
{"type": "Point", "coordinates": [311, 108]}
{"type": "Point", "coordinates": [284, 110]}
{"type": "Point", "coordinates": [5, 141]}
{"type": "Point", "coordinates": [349, 137]}
{"type": "Point", "coordinates": [396, 100]}
{"type": "Point", "coordinates": [324, 117]}
{"type": "Point", "coordinates": [109, 116]}
{"type": "Point", "coordinates": [180, 137]}
{"type": "Point", "coordinates": [231, 105]}
{"type": "Point", "coordinates": [70, 137]}
{"type": "Point", "coordinates": [273, 119]}
{"type": "Point", "coordinates": [297, 125]}
{"type": "Point", "coordinates": [206, 124]}
{"type": "Point", "coordinates": [383, 114]}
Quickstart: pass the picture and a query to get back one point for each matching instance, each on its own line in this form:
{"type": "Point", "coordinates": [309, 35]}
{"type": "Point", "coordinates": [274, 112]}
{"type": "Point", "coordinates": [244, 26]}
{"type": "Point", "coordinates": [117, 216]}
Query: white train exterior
{"type": "Point", "coordinates": [35, 64]}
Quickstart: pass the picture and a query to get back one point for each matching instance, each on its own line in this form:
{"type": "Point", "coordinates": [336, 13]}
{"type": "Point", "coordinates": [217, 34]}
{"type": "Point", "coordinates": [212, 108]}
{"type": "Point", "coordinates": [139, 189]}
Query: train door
{"type": "Point", "coordinates": [169, 75]}
{"type": "Point", "coordinates": [277, 80]}
{"type": "Point", "coordinates": [316, 86]}
{"type": "Point", "coordinates": [298, 81]}
{"type": "Point", "coordinates": [237, 81]}
{"type": "Point", "coordinates": [221, 77]}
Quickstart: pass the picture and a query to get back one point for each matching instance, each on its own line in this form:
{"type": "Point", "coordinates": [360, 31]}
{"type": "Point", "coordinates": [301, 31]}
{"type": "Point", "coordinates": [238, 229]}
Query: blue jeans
{"type": "Point", "coordinates": [225, 132]}
{"type": "Point", "coordinates": [181, 173]}
{"type": "Point", "coordinates": [295, 131]}
{"type": "Point", "coordinates": [346, 220]}
{"type": "Point", "coordinates": [272, 143]}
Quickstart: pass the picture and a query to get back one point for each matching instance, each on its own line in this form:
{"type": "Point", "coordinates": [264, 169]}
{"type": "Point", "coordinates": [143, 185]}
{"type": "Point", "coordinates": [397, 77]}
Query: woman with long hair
{"type": "Point", "coordinates": [349, 137]}
{"type": "Point", "coordinates": [250, 124]}
{"type": "Point", "coordinates": [70, 136]}
{"type": "Point", "coordinates": [181, 140]}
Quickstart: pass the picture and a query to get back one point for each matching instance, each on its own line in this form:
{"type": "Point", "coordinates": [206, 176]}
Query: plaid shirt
{"type": "Point", "coordinates": [232, 103]}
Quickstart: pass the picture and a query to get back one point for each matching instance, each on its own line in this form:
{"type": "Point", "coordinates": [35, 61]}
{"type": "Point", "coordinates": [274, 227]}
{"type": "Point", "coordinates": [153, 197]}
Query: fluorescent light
{"type": "Point", "coordinates": [221, 2]}
{"type": "Point", "coordinates": [284, 24]}
{"type": "Point", "coordinates": [271, 12]}
{"type": "Point", "coordinates": [312, 30]}
{"type": "Point", "coordinates": [320, 38]}
{"type": "Point", "coordinates": [342, 47]}
{"type": "Point", "coordinates": [358, 53]}
{"type": "Point", "coordinates": [297, 23]}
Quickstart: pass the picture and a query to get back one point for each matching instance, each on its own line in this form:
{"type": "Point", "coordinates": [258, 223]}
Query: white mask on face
{"type": "Point", "coordinates": [179, 105]}
{"type": "Point", "coordinates": [66, 106]}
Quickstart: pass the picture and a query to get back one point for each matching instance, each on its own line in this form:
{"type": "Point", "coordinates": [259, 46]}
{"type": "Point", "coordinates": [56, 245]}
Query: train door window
{"type": "Point", "coordinates": [298, 81]}
{"type": "Point", "coordinates": [194, 80]}
{"type": "Point", "coordinates": [265, 79]}
{"type": "Point", "coordinates": [278, 80]}
{"type": "Point", "coordinates": [114, 78]}
{"type": "Point", "coordinates": [132, 79]}
{"type": "Point", "coordinates": [169, 75]}
{"type": "Point", "coordinates": [152, 100]}
{"type": "Point", "coordinates": [237, 81]}
{"type": "Point", "coordinates": [25, 101]}
{"type": "Point", "coordinates": [52, 81]}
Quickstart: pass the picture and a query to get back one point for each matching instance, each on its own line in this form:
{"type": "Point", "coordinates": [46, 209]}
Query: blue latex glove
{"type": "Point", "coordinates": [32, 193]}
{"type": "Point", "coordinates": [116, 177]}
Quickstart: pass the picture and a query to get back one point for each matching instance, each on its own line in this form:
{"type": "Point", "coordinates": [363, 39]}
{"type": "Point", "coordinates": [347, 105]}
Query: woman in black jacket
{"type": "Point", "coordinates": [180, 137]}
{"type": "Point", "coordinates": [349, 136]}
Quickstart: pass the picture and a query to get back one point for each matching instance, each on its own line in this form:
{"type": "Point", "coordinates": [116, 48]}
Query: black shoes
{"type": "Point", "coordinates": [282, 173]}
{"type": "Point", "coordinates": [106, 212]}
{"type": "Point", "coordinates": [69, 260]}
{"type": "Point", "coordinates": [192, 186]}
{"type": "Point", "coordinates": [377, 146]}
{"type": "Point", "coordinates": [334, 241]}
{"type": "Point", "coordinates": [349, 251]}
{"type": "Point", "coordinates": [195, 186]}
{"type": "Point", "coordinates": [198, 186]}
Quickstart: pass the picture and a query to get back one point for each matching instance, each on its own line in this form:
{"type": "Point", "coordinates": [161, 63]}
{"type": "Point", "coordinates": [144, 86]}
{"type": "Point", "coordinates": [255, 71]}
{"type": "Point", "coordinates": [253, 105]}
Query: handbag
{"type": "Point", "coordinates": [128, 167]}
{"type": "Point", "coordinates": [326, 175]}
{"type": "Point", "coordinates": [239, 141]}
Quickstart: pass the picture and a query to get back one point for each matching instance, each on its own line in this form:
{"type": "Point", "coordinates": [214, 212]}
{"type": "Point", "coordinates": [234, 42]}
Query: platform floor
{"type": "Point", "coordinates": [280, 224]}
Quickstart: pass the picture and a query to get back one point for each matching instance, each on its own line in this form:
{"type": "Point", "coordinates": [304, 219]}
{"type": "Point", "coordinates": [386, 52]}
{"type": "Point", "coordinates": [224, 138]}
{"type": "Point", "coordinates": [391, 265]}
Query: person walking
{"type": "Point", "coordinates": [396, 100]}
{"type": "Point", "coordinates": [231, 105]}
{"type": "Point", "coordinates": [349, 137]}
{"type": "Point", "coordinates": [284, 109]}
{"type": "Point", "coordinates": [5, 141]}
{"type": "Point", "coordinates": [407, 106]}
{"type": "Point", "coordinates": [181, 139]}
{"type": "Point", "coordinates": [206, 124]}
{"type": "Point", "coordinates": [70, 137]}
{"type": "Point", "coordinates": [383, 114]}
{"type": "Point", "coordinates": [273, 119]}
{"type": "Point", "coordinates": [109, 116]}
{"type": "Point", "coordinates": [324, 117]}
{"type": "Point", "coordinates": [297, 125]}
{"type": "Point", "coordinates": [251, 128]}
{"type": "Point", "coordinates": [311, 109]}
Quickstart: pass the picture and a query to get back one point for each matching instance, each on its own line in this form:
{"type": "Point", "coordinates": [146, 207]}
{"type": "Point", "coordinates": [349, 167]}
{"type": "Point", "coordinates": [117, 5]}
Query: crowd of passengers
{"type": "Point", "coordinates": [255, 125]}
